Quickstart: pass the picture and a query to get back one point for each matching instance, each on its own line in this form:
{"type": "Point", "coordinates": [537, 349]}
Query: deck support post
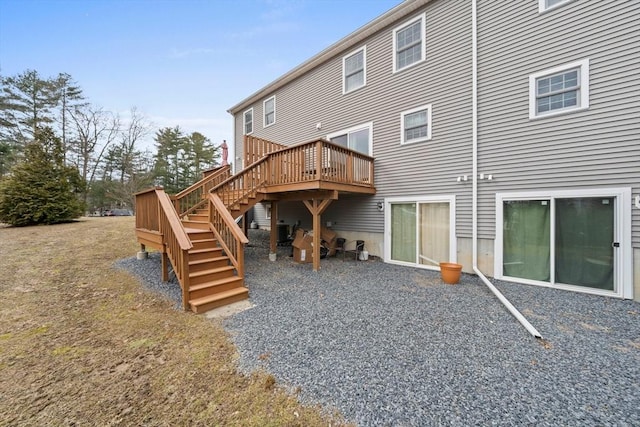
{"type": "Point", "coordinates": [143, 254]}
{"type": "Point", "coordinates": [273, 241]}
{"type": "Point", "coordinates": [316, 207]}
{"type": "Point", "coordinates": [165, 266]}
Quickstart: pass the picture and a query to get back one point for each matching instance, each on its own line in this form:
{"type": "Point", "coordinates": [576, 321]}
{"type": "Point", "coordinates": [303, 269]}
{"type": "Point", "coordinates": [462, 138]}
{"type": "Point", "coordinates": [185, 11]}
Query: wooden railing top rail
{"type": "Point", "coordinates": [203, 181]}
{"type": "Point", "coordinates": [227, 218]}
{"type": "Point", "coordinates": [330, 144]}
{"type": "Point", "coordinates": [148, 190]}
{"type": "Point", "coordinates": [237, 176]}
{"type": "Point", "coordinates": [174, 220]}
{"type": "Point", "coordinates": [212, 170]}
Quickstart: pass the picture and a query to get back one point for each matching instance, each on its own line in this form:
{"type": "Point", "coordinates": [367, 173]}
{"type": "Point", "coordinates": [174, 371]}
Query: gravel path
{"type": "Point", "coordinates": [390, 345]}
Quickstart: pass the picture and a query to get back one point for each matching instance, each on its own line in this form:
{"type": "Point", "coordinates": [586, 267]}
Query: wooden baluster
{"type": "Point", "coordinates": [318, 160]}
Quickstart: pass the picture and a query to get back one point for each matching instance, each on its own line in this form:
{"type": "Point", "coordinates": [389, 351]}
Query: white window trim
{"type": "Point", "coordinates": [414, 110]}
{"type": "Point", "coordinates": [364, 70]}
{"type": "Point", "coordinates": [264, 112]}
{"type": "Point", "coordinates": [423, 43]}
{"type": "Point", "coordinates": [368, 125]}
{"type": "Point", "coordinates": [267, 212]}
{"type": "Point", "coordinates": [583, 65]}
{"type": "Point", "coordinates": [623, 272]}
{"type": "Point", "coordinates": [542, 5]}
{"type": "Point", "coordinates": [453, 250]}
{"type": "Point", "coordinates": [244, 123]}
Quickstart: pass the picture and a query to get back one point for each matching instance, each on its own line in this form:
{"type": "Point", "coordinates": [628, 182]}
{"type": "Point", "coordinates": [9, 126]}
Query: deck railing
{"type": "Point", "coordinates": [242, 185]}
{"type": "Point", "coordinates": [227, 232]}
{"type": "Point", "coordinates": [147, 209]}
{"type": "Point", "coordinates": [319, 160]}
{"type": "Point", "coordinates": [256, 148]}
{"type": "Point", "coordinates": [193, 197]}
{"type": "Point", "coordinates": [157, 213]}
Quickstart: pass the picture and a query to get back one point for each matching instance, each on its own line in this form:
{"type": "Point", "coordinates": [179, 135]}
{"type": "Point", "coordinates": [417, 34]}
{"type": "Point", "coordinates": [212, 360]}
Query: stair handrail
{"type": "Point", "coordinates": [176, 242]}
{"type": "Point", "coordinates": [229, 235]}
{"type": "Point", "coordinates": [192, 197]}
{"type": "Point", "coordinates": [236, 187]}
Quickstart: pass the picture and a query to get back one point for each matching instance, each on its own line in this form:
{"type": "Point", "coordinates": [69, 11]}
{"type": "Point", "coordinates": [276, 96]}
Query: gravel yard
{"type": "Point", "coordinates": [390, 345]}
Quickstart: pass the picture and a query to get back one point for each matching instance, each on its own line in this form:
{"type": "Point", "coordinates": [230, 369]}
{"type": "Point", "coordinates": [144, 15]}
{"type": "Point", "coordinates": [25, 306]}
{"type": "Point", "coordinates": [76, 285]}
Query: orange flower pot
{"type": "Point", "coordinates": [450, 272]}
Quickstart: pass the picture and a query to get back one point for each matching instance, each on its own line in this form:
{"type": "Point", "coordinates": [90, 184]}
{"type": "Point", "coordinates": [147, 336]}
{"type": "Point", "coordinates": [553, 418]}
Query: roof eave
{"type": "Point", "coordinates": [405, 8]}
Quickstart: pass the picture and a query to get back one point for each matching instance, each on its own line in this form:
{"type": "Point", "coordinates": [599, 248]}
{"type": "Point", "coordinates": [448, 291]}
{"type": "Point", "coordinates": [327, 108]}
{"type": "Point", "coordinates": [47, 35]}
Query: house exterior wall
{"type": "Point", "coordinates": [596, 148]}
{"type": "Point", "coordinates": [429, 167]}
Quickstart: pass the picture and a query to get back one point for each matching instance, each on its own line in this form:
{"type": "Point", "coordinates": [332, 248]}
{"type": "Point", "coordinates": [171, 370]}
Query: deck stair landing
{"type": "Point", "coordinates": [213, 281]}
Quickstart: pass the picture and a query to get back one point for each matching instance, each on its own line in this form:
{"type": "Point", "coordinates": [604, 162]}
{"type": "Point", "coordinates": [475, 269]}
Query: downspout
{"type": "Point", "coordinates": [474, 197]}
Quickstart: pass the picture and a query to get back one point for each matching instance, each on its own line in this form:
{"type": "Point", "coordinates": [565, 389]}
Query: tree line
{"type": "Point", "coordinates": [48, 121]}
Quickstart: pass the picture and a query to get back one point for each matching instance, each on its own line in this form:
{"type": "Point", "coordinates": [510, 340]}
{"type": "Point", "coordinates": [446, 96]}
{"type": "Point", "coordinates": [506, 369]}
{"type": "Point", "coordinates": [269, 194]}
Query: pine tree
{"type": "Point", "coordinates": [41, 189]}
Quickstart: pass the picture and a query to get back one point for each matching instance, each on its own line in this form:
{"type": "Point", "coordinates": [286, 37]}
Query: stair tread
{"type": "Point", "coordinates": [195, 230]}
{"type": "Point", "coordinates": [200, 251]}
{"type": "Point", "coordinates": [214, 283]}
{"type": "Point", "coordinates": [202, 240]}
{"type": "Point", "coordinates": [211, 271]}
{"type": "Point", "coordinates": [219, 296]}
{"type": "Point", "coordinates": [204, 261]}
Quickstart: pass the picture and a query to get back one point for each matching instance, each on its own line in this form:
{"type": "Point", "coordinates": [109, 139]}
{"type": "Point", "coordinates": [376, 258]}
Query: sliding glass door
{"type": "Point", "coordinates": [421, 232]}
{"type": "Point", "coordinates": [584, 242]}
{"type": "Point", "coordinates": [565, 241]}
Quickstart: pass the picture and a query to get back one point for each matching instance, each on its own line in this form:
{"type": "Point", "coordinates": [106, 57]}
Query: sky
{"type": "Point", "coordinates": [179, 62]}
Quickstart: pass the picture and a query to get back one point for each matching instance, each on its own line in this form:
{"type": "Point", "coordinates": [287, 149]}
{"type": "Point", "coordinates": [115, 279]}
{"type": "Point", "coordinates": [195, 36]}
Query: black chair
{"type": "Point", "coordinates": [340, 242]}
{"type": "Point", "coordinates": [359, 248]}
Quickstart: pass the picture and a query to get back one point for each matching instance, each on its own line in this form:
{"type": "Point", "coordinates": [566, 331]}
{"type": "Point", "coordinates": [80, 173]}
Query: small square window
{"type": "Point", "coordinates": [269, 107]}
{"type": "Point", "coordinates": [248, 121]}
{"type": "Point", "coordinates": [416, 125]}
{"type": "Point", "coordinates": [354, 70]}
{"type": "Point", "coordinates": [409, 44]}
{"type": "Point", "coordinates": [559, 90]}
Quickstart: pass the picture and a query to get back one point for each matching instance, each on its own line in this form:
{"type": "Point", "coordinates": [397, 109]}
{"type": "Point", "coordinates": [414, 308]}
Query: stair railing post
{"type": "Point", "coordinates": [240, 257]}
{"type": "Point", "coordinates": [185, 279]}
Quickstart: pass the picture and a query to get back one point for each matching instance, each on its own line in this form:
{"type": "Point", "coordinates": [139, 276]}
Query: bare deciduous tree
{"type": "Point", "coordinates": [95, 130]}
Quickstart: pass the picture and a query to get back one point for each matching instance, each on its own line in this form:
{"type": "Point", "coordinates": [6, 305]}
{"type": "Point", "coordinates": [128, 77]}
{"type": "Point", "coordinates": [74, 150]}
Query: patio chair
{"type": "Point", "coordinates": [358, 249]}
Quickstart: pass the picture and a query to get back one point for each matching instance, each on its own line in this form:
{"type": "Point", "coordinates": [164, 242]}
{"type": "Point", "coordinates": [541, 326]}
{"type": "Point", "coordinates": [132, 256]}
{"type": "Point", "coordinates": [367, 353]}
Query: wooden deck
{"type": "Point", "coordinates": [196, 229]}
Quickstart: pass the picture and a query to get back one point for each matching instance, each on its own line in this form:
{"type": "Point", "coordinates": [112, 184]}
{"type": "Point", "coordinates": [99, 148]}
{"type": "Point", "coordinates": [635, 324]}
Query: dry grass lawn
{"type": "Point", "coordinates": [84, 344]}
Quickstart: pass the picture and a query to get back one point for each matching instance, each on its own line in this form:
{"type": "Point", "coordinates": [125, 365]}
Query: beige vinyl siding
{"type": "Point", "coordinates": [420, 169]}
{"type": "Point", "coordinates": [594, 148]}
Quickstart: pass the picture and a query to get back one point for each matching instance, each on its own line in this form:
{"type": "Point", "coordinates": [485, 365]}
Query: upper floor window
{"type": "Point", "coordinates": [354, 68]}
{"type": "Point", "coordinates": [248, 121]}
{"type": "Point", "coordinates": [544, 5]}
{"type": "Point", "coordinates": [269, 108]}
{"type": "Point", "coordinates": [358, 138]}
{"type": "Point", "coordinates": [559, 90]}
{"type": "Point", "coordinates": [409, 44]}
{"type": "Point", "coordinates": [416, 125]}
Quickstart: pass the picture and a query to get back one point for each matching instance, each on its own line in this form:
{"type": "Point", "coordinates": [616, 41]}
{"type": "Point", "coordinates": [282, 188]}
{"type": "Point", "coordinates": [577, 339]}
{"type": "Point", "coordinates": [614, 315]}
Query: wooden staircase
{"type": "Point", "coordinates": [196, 228]}
{"type": "Point", "coordinates": [213, 280]}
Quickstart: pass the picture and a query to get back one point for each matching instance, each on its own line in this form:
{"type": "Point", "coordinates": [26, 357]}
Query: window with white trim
{"type": "Point", "coordinates": [559, 90]}
{"type": "Point", "coordinates": [269, 108]}
{"type": "Point", "coordinates": [415, 125]}
{"type": "Point", "coordinates": [545, 5]}
{"type": "Point", "coordinates": [358, 138]}
{"type": "Point", "coordinates": [354, 69]}
{"type": "Point", "coordinates": [409, 44]}
{"type": "Point", "coordinates": [247, 121]}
